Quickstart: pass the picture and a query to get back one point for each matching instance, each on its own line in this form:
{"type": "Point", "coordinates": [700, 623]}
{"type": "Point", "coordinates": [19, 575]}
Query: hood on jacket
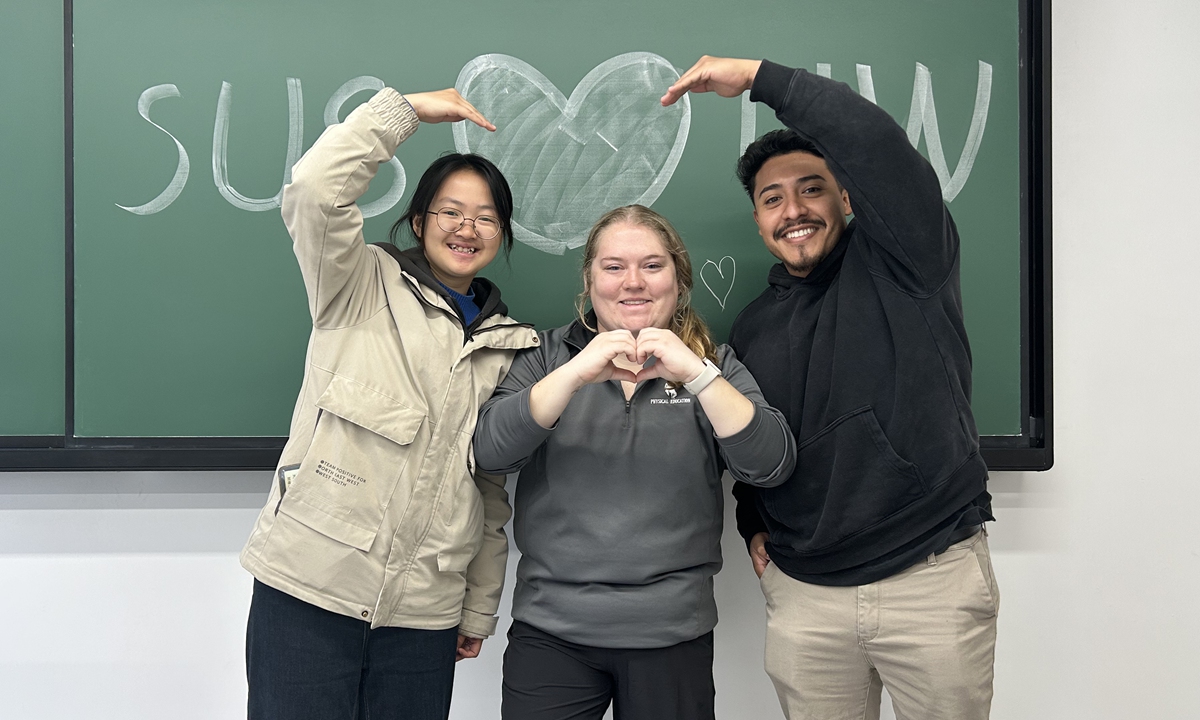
{"type": "Point", "coordinates": [487, 295]}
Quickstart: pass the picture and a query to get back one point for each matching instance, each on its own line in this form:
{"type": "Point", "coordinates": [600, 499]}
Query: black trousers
{"type": "Point", "coordinates": [546, 678]}
{"type": "Point", "coordinates": [306, 663]}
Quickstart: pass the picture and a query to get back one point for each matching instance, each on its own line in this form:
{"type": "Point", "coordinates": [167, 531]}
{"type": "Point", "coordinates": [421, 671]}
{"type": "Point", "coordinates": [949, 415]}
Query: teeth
{"type": "Point", "coordinates": [799, 233]}
{"type": "Point", "coordinates": [461, 249]}
{"type": "Point", "coordinates": [634, 302]}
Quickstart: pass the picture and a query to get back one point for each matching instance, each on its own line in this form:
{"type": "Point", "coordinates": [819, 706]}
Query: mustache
{"type": "Point", "coordinates": [818, 222]}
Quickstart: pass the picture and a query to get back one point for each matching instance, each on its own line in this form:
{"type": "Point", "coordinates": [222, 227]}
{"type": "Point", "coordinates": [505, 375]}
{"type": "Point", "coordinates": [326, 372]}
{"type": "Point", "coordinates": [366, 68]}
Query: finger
{"type": "Point", "coordinates": [649, 344]}
{"type": "Point", "coordinates": [643, 352]}
{"type": "Point", "coordinates": [690, 80]}
{"type": "Point", "coordinates": [681, 88]}
{"type": "Point", "coordinates": [467, 648]}
{"type": "Point", "coordinates": [623, 374]}
{"type": "Point", "coordinates": [617, 347]}
{"type": "Point", "coordinates": [649, 373]}
{"type": "Point", "coordinates": [629, 347]}
{"type": "Point", "coordinates": [470, 113]}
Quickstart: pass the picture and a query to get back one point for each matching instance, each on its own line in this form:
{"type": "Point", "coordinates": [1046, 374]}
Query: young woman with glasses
{"type": "Point", "coordinates": [379, 556]}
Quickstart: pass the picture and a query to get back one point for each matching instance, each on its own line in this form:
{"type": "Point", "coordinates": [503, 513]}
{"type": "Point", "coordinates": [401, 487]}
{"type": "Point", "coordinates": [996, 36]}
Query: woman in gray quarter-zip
{"type": "Point", "coordinates": [621, 424]}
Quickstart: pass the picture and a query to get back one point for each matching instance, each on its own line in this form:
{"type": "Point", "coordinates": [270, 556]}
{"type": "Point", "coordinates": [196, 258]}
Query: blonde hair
{"type": "Point", "coordinates": [685, 322]}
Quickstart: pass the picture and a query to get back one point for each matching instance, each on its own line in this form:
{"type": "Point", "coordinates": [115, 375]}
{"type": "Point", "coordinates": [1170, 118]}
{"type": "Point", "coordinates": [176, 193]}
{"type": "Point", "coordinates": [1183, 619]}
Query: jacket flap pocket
{"type": "Point", "coordinates": [505, 335]}
{"type": "Point", "coordinates": [334, 523]}
{"type": "Point", "coordinates": [372, 410]}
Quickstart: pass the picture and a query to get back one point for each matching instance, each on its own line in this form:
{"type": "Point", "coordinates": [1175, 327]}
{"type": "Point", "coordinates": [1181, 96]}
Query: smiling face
{"type": "Point", "coordinates": [456, 257]}
{"type": "Point", "coordinates": [632, 279]}
{"type": "Point", "coordinates": [800, 210]}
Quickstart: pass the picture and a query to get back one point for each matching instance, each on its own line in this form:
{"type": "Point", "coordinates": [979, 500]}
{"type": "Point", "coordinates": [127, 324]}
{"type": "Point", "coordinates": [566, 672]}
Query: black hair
{"type": "Point", "coordinates": [436, 174]}
{"type": "Point", "coordinates": [776, 142]}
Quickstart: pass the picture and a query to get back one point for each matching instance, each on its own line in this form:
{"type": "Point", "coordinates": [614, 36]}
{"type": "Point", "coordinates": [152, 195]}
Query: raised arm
{"type": "Point", "coordinates": [320, 207]}
{"type": "Point", "coordinates": [894, 192]}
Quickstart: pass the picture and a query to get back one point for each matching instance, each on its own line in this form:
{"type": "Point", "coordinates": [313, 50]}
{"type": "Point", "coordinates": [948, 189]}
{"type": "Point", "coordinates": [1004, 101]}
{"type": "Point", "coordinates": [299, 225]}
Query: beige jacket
{"type": "Point", "coordinates": [376, 512]}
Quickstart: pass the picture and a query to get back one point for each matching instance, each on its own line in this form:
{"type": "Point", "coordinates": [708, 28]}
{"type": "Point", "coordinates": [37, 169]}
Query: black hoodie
{"type": "Point", "coordinates": [867, 357]}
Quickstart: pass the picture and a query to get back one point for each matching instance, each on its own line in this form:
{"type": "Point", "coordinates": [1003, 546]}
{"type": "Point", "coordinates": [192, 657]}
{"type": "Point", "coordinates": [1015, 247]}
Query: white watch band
{"type": "Point", "coordinates": [707, 375]}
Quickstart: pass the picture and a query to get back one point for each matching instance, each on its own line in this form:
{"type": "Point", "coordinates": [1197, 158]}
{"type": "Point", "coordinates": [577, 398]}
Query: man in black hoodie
{"type": "Point", "coordinates": [872, 555]}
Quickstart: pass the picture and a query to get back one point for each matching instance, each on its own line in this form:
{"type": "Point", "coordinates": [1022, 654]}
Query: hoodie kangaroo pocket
{"type": "Point", "coordinates": [850, 479]}
{"type": "Point", "coordinates": [359, 452]}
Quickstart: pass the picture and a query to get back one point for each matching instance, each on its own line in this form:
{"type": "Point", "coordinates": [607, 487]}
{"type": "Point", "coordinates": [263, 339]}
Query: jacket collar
{"type": "Point", "coordinates": [413, 262]}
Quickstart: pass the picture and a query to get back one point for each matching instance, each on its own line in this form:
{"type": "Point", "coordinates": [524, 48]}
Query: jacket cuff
{"type": "Point", "coordinates": [476, 625]}
{"type": "Point", "coordinates": [771, 84]}
{"type": "Point", "coordinates": [397, 113]}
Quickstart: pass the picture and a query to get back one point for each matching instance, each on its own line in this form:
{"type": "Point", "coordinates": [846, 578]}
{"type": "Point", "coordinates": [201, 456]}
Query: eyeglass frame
{"type": "Point", "coordinates": [463, 221]}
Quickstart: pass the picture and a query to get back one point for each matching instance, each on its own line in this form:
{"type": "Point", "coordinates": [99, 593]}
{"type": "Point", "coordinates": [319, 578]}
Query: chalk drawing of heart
{"type": "Point", "coordinates": [719, 269]}
{"type": "Point", "coordinates": [571, 160]}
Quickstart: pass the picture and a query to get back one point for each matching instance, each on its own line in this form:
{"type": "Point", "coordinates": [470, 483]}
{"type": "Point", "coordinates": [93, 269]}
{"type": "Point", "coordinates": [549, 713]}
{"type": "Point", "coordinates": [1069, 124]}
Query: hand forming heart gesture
{"type": "Point", "coordinates": [613, 355]}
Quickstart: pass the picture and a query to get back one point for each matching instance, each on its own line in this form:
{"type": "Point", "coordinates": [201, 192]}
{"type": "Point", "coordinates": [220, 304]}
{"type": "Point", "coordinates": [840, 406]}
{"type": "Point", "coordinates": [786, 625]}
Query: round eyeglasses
{"type": "Point", "coordinates": [451, 220]}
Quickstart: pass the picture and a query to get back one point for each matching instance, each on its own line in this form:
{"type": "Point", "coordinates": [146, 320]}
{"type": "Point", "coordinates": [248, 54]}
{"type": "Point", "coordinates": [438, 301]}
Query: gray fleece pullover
{"type": "Point", "coordinates": [619, 507]}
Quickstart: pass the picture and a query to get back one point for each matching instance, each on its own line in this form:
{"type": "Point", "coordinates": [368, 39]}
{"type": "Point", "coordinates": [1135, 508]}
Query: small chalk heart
{"type": "Point", "coordinates": [719, 268]}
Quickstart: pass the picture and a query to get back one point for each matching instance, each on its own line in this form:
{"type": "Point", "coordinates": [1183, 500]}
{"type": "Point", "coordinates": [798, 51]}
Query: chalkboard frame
{"type": "Point", "coordinates": [1031, 450]}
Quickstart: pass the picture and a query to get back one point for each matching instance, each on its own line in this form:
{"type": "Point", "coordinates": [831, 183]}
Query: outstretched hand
{"type": "Point", "coordinates": [727, 77]}
{"type": "Point", "coordinates": [446, 106]}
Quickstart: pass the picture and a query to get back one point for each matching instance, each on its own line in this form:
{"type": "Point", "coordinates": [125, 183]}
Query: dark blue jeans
{"type": "Point", "coordinates": [305, 663]}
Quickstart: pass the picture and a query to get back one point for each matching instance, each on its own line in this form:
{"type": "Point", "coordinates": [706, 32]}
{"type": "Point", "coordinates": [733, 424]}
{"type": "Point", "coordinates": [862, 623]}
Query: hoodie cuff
{"type": "Point", "coordinates": [772, 84]}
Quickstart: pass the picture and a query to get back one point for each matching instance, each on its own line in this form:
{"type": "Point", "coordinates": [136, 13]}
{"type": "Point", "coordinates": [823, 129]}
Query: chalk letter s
{"type": "Point", "coordinates": [175, 187]}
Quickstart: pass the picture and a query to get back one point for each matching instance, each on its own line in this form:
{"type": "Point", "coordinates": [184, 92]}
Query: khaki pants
{"type": "Point", "coordinates": [927, 634]}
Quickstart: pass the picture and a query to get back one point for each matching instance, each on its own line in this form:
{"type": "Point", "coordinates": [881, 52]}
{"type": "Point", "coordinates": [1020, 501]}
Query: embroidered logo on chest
{"type": "Point", "coordinates": [671, 398]}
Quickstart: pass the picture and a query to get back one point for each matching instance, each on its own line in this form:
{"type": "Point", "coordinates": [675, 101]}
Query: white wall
{"type": "Point", "coordinates": [121, 597]}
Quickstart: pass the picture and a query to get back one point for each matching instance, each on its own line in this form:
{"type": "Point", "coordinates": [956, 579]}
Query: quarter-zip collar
{"type": "Point", "coordinates": [578, 335]}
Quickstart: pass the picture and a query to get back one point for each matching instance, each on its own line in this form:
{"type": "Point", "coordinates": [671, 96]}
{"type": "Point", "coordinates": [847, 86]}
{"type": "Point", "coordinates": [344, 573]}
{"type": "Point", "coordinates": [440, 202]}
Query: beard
{"type": "Point", "coordinates": [803, 266]}
{"type": "Point", "coordinates": [807, 257]}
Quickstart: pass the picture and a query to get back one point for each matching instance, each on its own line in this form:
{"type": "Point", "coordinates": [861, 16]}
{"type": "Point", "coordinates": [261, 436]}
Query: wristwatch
{"type": "Point", "coordinates": [707, 375]}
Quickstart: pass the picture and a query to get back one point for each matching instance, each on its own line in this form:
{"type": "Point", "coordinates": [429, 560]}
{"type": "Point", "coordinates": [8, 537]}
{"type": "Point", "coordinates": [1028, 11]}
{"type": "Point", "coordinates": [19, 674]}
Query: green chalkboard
{"type": "Point", "coordinates": [32, 353]}
{"type": "Point", "coordinates": [189, 318]}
